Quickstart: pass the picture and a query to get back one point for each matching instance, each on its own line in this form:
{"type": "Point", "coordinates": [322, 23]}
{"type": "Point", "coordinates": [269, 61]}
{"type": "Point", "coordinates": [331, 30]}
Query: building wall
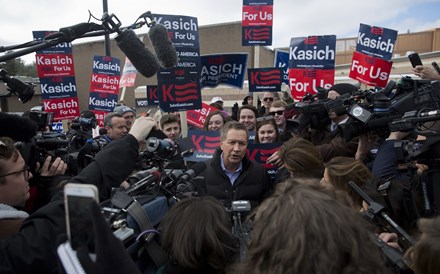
{"type": "Point", "coordinates": [226, 38]}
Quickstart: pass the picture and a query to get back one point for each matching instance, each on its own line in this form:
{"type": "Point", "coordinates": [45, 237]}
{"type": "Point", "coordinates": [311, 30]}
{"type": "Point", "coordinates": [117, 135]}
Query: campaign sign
{"type": "Point", "coordinates": [303, 81]}
{"type": "Point", "coordinates": [257, 2]}
{"type": "Point", "coordinates": [227, 69]}
{"type": "Point", "coordinates": [197, 117]}
{"type": "Point", "coordinates": [100, 117]}
{"type": "Point", "coordinates": [375, 41]}
{"type": "Point", "coordinates": [313, 52]}
{"type": "Point", "coordinates": [260, 153]}
{"type": "Point", "coordinates": [251, 36]}
{"type": "Point", "coordinates": [104, 83]}
{"type": "Point", "coordinates": [179, 95]}
{"type": "Point", "coordinates": [57, 126]}
{"type": "Point", "coordinates": [102, 101]}
{"type": "Point", "coordinates": [183, 32]}
{"type": "Point", "coordinates": [205, 144]}
{"type": "Point", "coordinates": [128, 76]}
{"type": "Point", "coordinates": [49, 65]}
{"type": "Point", "coordinates": [106, 65]}
{"type": "Point", "coordinates": [370, 70]}
{"type": "Point", "coordinates": [265, 79]}
{"type": "Point", "coordinates": [58, 87]}
{"type": "Point", "coordinates": [65, 47]}
{"type": "Point", "coordinates": [141, 102]}
{"type": "Point", "coordinates": [257, 15]}
{"type": "Point", "coordinates": [62, 108]}
{"type": "Point", "coordinates": [153, 99]}
{"type": "Point", "coordinates": [282, 61]}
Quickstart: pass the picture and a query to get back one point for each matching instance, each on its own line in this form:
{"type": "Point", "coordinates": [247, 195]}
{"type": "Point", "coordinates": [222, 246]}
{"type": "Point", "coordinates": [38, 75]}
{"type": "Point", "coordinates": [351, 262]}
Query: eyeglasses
{"type": "Point", "coordinates": [279, 112]}
{"type": "Point", "coordinates": [267, 99]}
{"type": "Point", "coordinates": [25, 172]}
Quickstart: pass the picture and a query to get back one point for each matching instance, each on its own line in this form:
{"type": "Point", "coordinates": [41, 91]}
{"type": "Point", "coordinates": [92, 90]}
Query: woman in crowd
{"type": "Point", "coordinates": [197, 235]}
{"type": "Point", "coordinates": [302, 228]}
{"type": "Point", "coordinates": [215, 120]}
{"type": "Point", "coordinates": [267, 131]}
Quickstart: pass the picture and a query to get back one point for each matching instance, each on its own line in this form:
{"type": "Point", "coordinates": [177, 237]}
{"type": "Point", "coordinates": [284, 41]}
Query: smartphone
{"type": "Point", "coordinates": [415, 60]}
{"type": "Point", "coordinates": [436, 67]}
{"type": "Point", "coordinates": [77, 200]}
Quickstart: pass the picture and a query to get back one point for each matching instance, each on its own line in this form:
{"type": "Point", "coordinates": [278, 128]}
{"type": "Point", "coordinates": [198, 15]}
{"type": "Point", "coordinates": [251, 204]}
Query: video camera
{"type": "Point", "coordinates": [378, 109]}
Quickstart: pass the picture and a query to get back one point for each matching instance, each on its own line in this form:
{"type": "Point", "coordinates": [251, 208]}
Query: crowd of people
{"type": "Point", "coordinates": [305, 219]}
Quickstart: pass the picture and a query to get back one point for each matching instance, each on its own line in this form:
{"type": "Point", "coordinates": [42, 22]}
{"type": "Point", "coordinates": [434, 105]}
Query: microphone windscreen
{"type": "Point", "coordinates": [163, 47]}
{"type": "Point", "coordinates": [142, 58]}
{"type": "Point", "coordinates": [18, 128]}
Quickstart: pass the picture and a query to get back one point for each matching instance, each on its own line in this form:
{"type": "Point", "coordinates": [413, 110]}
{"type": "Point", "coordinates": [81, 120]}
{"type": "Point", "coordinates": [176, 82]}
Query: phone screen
{"type": "Point", "coordinates": [80, 223]}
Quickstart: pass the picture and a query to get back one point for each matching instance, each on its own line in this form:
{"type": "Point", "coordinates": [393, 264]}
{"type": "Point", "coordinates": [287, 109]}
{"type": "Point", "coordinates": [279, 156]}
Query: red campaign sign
{"type": "Point", "coordinates": [370, 70]}
{"type": "Point", "coordinates": [49, 65]}
{"type": "Point", "coordinates": [257, 16]}
{"type": "Point", "coordinates": [302, 81]}
{"type": "Point", "coordinates": [197, 117]}
{"type": "Point", "coordinates": [63, 108]}
{"type": "Point", "coordinates": [100, 117]}
{"type": "Point", "coordinates": [105, 83]}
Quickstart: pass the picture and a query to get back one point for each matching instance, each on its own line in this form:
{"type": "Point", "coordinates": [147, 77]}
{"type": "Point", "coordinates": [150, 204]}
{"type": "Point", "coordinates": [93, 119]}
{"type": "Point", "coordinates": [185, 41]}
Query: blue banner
{"type": "Point", "coordinates": [282, 61]}
{"type": "Point", "coordinates": [102, 101]}
{"type": "Point", "coordinates": [313, 52]}
{"type": "Point", "coordinates": [205, 144]}
{"type": "Point", "coordinates": [257, 2]}
{"type": "Point", "coordinates": [60, 48]}
{"type": "Point", "coordinates": [141, 102]}
{"type": "Point", "coordinates": [179, 95]}
{"type": "Point", "coordinates": [106, 65]}
{"type": "Point", "coordinates": [58, 87]}
{"type": "Point", "coordinates": [265, 79]}
{"type": "Point", "coordinates": [152, 97]}
{"type": "Point", "coordinates": [260, 153]}
{"type": "Point", "coordinates": [375, 41]}
{"type": "Point", "coordinates": [227, 69]}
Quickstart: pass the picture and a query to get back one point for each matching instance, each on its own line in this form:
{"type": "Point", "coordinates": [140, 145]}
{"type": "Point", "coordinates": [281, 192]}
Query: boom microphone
{"type": "Point", "coordinates": [18, 128]}
{"type": "Point", "coordinates": [142, 58]}
{"type": "Point", "coordinates": [163, 47]}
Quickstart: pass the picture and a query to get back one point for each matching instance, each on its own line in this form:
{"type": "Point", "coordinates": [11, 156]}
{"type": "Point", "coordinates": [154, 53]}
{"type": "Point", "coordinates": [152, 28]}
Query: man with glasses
{"type": "Point", "coordinates": [277, 111]}
{"type": "Point", "coordinates": [14, 188]}
{"type": "Point", "coordinates": [268, 98]}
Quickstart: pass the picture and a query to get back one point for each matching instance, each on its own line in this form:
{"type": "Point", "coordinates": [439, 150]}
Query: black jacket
{"type": "Point", "coordinates": [33, 249]}
{"type": "Point", "coordinates": [252, 184]}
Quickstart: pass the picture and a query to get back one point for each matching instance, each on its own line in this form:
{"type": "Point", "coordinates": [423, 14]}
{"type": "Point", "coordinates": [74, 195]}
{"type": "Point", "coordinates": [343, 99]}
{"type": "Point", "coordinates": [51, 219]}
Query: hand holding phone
{"type": "Point", "coordinates": [415, 60]}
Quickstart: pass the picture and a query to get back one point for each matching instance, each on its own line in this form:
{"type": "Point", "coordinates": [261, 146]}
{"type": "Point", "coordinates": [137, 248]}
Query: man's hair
{"type": "Point", "coordinates": [278, 104]}
{"type": "Point", "coordinates": [267, 121]}
{"type": "Point", "coordinates": [212, 113]}
{"type": "Point", "coordinates": [341, 170]}
{"type": "Point", "coordinates": [302, 228]}
{"type": "Point", "coordinates": [251, 107]}
{"type": "Point", "coordinates": [196, 232]}
{"type": "Point", "coordinates": [7, 151]}
{"type": "Point", "coordinates": [232, 125]}
{"type": "Point", "coordinates": [302, 156]}
{"type": "Point", "coordinates": [168, 119]}
{"type": "Point", "coordinates": [426, 252]}
{"type": "Point", "coordinates": [108, 118]}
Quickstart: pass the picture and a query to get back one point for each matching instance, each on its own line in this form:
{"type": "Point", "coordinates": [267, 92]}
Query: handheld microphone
{"type": "Point", "coordinates": [142, 59]}
{"type": "Point", "coordinates": [148, 178]}
{"type": "Point", "coordinates": [163, 47]}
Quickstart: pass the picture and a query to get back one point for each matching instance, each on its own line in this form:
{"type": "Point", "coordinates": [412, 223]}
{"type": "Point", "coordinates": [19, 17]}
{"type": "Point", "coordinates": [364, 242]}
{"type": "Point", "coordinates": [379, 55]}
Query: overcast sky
{"type": "Point", "coordinates": [292, 18]}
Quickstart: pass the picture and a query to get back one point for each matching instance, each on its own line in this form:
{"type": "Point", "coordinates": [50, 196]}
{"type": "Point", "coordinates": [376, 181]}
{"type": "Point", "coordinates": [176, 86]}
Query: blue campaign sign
{"type": "Point", "coordinates": [102, 101]}
{"type": "Point", "coordinates": [257, 2]}
{"type": "Point", "coordinates": [106, 65]}
{"type": "Point", "coordinates": [179, 95]}
{"type": "Point", "coordinates": [282, 61]}
{"type": "Point", "coordinates": [205, 144]}
{"type": "Point", "coordinates": [260, 153]}
{"type": "Point", "coordinates": [260, 36]}
{"type": "Point", "coordinates": [57, 126]}
{"type": "Point", "coordinates": [58, 87]}
{"type": "Point", "coordinates": [375, 41]}
{"type": "Point", "coordinates": [313, 52]}
{"type": "Point", "coordinates": [60, 48]}
{"type": "Point", "coordinates": [227, 69]}
{"type": "Point", "coordinates": [152, 97]}
{"type": "Point", "coordinates": [265, 79]}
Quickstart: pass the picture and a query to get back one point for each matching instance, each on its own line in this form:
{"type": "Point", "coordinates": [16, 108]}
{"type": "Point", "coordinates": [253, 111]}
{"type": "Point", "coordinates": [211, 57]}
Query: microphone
{"type": "Point", "coordinates": [142, 58]}
{"type": "Point", "coordinates": [78, 30]}
{"type": "Point", "coordinates": [145, 178]}
{"type": "Point", "coordinates": [183, 181]}
{"type": "Point", "coordinates": [22, 90]}
{"type": "Point", "coordinates": [18, 128]}
{"type": "Point", "coordinates": [163, 47]}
